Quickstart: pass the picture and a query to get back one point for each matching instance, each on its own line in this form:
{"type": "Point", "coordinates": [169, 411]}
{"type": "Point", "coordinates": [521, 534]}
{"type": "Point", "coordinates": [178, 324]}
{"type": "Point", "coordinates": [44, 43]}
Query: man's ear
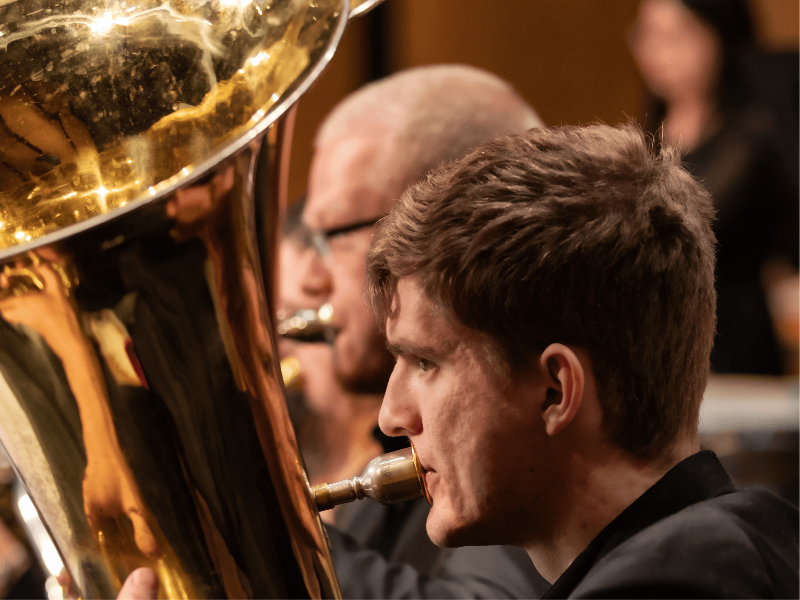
{"type": "Point", "coordinates": [565, 387]}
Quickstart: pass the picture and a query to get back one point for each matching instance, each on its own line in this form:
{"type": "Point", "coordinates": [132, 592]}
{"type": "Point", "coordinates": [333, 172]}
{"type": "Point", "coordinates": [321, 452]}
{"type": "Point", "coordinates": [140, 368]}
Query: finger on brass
{"type": "Point", "coordinates": [20, 157]}
{"type": "Point", "coordinates": [33, 125]}
{"type": "Point", "coordinates": [78, 132]}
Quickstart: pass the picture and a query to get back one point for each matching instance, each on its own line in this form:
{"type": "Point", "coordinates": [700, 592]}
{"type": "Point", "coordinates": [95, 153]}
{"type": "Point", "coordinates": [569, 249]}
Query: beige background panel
{"type": "Point", "coordinates": [568, 58]}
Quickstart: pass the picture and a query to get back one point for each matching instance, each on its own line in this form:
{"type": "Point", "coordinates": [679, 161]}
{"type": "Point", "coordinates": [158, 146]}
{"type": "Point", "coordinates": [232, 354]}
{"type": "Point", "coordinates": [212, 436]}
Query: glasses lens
{"type": "Point", "coordinates": [320, 243]}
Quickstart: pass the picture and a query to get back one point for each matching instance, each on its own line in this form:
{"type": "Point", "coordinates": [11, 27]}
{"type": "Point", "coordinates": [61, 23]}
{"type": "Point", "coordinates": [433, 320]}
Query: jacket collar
{"type": "Point", "coordinates": [694, 479]}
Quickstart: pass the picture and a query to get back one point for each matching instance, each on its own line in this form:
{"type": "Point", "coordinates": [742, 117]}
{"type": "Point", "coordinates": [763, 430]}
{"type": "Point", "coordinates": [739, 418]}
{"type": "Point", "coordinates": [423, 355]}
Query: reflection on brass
{"type": "Point", "coordinates": [361, 7]}
{"type": "Point", "coordinates": [140, 397]}
{"type": "Point", "coordinates": [291, 372]}
{"type": "Point", "coordinates": [95, 115]}
{"type": "Point", "coordinates": [388, 479]}
{"type": "Point", "coordinates": [22, 278]}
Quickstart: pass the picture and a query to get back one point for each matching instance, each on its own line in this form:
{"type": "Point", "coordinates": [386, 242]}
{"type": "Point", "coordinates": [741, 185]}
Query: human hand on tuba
{"type": "Point", "coordinates": [36, 293]}
{"type": "Point", "coordinates": [141, 584]}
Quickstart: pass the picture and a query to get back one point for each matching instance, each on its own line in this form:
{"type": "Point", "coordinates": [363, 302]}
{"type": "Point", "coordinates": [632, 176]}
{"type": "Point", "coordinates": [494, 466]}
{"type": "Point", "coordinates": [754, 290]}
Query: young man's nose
{"type": "Point", "coordinates": [398, 416]}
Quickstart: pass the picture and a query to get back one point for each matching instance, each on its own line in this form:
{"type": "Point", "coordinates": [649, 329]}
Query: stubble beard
{"type": "Point", "coordinates": [371, 379]}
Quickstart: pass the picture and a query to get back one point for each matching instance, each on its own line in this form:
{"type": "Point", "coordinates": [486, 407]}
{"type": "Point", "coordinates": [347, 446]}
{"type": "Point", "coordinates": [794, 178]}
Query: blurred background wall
{"type": "Point", "coordinates": [569, 59]}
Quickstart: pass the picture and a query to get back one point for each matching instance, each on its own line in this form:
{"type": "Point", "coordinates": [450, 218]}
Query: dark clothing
{"type": "Point", "coordinates": [756, 197]}
{"type": "Point", "coordinates": [691, 535]}
{"type": "Point", "coordinates": [386, 553]}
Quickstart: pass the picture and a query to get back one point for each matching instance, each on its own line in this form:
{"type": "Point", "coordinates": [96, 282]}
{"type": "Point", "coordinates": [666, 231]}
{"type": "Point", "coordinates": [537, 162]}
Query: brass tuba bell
{"type": "Point", "coordinates": [140, 392]}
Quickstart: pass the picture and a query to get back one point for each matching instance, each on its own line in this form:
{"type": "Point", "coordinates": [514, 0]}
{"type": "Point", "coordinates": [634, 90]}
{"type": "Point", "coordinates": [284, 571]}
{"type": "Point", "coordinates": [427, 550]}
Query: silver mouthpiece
{"type": "Point", "coordinates": [307, 324]}
{"type": "Point", "coordinates": [388, 479]}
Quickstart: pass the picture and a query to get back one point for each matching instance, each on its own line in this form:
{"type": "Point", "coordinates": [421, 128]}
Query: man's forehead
{"type": "Point", "coordinates": [348, 182]}
{"type": "Point", "coordinates": [415, 320]}
{"type": "Point", "coordinates": [338, 207]}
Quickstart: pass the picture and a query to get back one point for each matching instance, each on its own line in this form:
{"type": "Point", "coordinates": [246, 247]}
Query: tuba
{"type": "Point", "coordinates": [141, 400]}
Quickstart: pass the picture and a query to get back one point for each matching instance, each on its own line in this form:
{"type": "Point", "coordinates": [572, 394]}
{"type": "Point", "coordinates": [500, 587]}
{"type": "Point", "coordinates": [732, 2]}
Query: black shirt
{"type": "Point", "coordinates": [691, 535]}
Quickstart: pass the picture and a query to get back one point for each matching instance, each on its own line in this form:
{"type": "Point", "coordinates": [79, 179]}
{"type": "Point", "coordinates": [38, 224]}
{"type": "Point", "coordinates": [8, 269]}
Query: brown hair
{"type": "Point", "coordinates": [579, 235]}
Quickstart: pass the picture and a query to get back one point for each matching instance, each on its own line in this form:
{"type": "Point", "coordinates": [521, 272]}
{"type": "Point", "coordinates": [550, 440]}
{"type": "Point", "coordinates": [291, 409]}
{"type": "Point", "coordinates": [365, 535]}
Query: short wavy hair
{"type": "Point", "coordinates": [585, 236]}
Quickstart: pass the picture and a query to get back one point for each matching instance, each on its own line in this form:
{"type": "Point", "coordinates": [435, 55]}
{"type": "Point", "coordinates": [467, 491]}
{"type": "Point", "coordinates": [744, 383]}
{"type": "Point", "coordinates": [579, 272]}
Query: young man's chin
{"type": "Point", "coordinates": [454, 535]}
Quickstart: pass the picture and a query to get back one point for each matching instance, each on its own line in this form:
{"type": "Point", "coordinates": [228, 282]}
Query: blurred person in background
{"type": "Point", "coordinates": [334, 427]}
{"type": "Point", "coordinates": [373, 145]}
{"type": "Point", "coordinates": [696, 58]}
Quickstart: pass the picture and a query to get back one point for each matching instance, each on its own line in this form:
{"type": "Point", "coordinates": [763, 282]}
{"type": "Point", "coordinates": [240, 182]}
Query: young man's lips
{"type": "Point", "coordinates": [428, 475]}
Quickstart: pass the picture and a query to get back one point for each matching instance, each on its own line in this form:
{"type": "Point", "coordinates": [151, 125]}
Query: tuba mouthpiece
{"type": "Point", "coordinates": [307, 324]}
{"type": "Point", "coordinates": [388, 479]}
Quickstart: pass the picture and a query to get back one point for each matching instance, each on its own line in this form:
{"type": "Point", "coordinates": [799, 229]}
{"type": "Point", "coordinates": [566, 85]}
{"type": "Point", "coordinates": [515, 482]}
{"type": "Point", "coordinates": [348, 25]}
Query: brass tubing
{"type": "Point", "coordinates": [329, 495]}
{"type": "Point", "coordinates": [140, 392]}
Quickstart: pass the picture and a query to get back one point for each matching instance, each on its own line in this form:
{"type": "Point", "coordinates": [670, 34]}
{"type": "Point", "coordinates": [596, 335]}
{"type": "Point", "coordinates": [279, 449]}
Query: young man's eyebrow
{"type": "Point", "coordinates": [402, 348]}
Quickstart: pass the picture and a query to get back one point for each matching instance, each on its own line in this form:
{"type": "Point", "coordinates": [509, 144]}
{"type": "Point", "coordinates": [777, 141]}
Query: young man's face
{"type": "Point", "coordinates": [481, 439]}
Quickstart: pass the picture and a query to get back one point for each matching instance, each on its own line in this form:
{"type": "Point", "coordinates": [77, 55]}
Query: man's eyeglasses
{"type": "Point", "coordinates": [322, 239]}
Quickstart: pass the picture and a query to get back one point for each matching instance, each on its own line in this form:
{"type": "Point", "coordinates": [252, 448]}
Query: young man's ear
{"type": "Point", "coordinates": [565, 386]}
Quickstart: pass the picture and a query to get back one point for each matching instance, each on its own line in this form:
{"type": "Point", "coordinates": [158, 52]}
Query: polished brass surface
{"type": "Point", "coordinates": [140, 394]}
{"type": "Point", "coordinates": [388, 479]}
{"type": "Point", "coordinates": [106, 103]}
{"type": "Point", "coordinates": [361, 7]}
{"type": "Point", "coordinates": [291, 372]}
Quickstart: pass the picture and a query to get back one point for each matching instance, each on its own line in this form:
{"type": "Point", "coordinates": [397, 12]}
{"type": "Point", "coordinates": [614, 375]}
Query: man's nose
{"type": "Point", "coordinates": [398, 416]}
{"type": "Point", "coordinates": [317, 280]}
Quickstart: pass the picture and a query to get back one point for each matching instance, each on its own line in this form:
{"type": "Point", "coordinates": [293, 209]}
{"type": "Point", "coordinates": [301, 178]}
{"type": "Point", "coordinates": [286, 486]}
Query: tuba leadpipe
{"type": "Point", "coordinates": [140, 394]}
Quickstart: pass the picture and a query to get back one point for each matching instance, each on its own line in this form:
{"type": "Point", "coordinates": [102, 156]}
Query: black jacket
{"type": "Point", "coordinates": [692, 535]}
{"type": "Point", "coordinates": [386, 553]}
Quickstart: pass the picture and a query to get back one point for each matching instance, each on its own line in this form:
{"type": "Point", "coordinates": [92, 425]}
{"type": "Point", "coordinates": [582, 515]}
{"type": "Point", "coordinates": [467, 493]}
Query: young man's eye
{"type": "Point", "coordinates": [425, 365]}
